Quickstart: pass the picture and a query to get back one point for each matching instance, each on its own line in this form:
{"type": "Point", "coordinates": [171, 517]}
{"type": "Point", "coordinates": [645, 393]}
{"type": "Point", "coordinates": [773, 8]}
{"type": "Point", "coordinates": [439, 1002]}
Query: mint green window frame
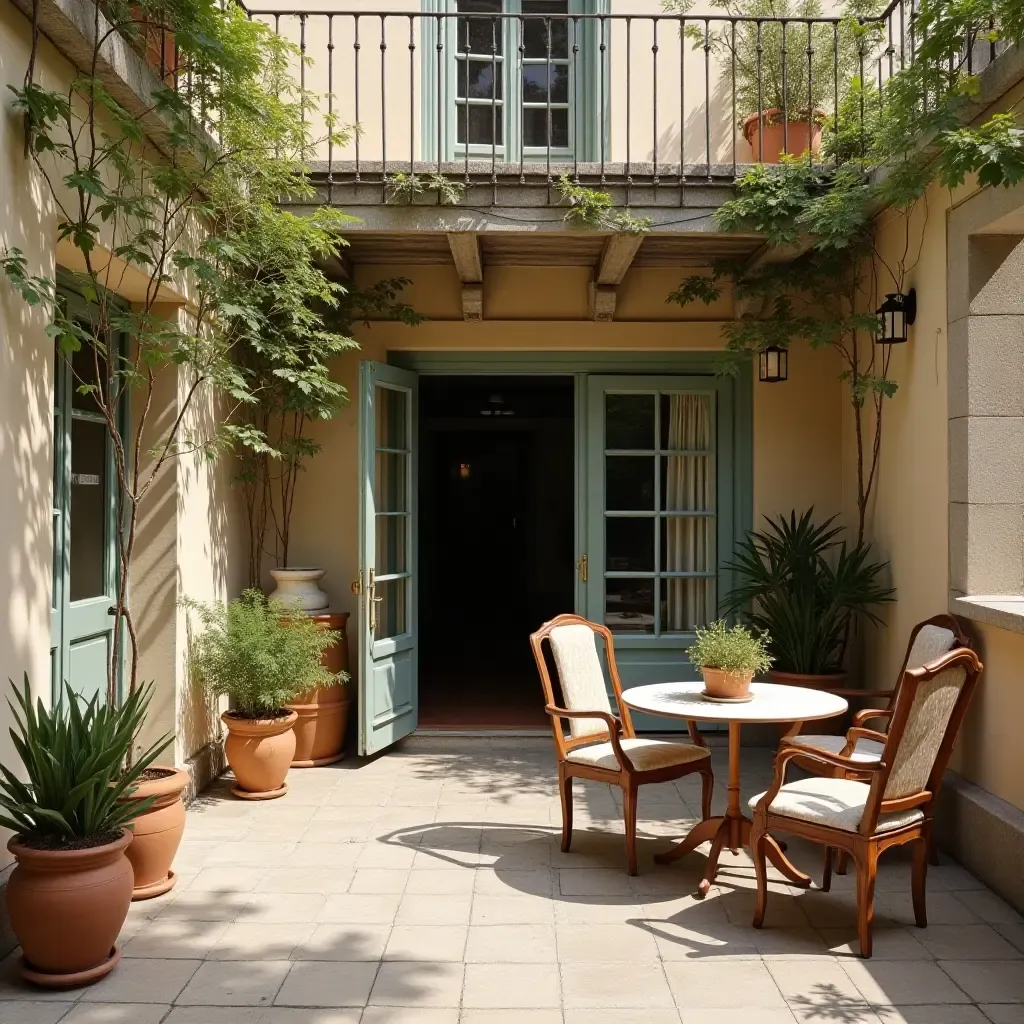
{"type": "Point", "coordinates": [589, 117]}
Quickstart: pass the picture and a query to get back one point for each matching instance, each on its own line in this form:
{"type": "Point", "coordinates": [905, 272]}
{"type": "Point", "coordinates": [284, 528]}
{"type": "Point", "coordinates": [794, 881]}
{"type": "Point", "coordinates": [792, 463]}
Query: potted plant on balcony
{"type": "Point", "coordinates": [260, 654]}
{"type": "Point", "coordinates": [70, 891]}
{"type": "Point", "coordinates": [728, 659]}
{"type": "Point", "coordinates": [806, 587]}
{"type": "Point", "coordinates": [788, 67]}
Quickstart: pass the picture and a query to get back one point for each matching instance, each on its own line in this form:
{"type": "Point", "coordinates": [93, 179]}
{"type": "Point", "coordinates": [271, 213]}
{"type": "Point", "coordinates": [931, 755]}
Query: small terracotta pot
{"type": "Point", "coordinates": [260, 751]}
{"type": "Point", "coordinates": [803, 134]}
{"type": "Point", "coordinates": [66, 909]}
{"type": "Point", "coordinates": [323, 711]}
{"type": "Point", "coordinates": [157, 833]}
{"type": "Point", "coordinates": [731, 685]}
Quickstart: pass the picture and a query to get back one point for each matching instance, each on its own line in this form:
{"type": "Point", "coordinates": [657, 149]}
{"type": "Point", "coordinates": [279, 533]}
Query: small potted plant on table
{"type": "Point", "coordinates": [728, 660]}
{"type": "Point", "coordinates": [260, 654]}
{"type": "Point", "coordinates": [70, 892]}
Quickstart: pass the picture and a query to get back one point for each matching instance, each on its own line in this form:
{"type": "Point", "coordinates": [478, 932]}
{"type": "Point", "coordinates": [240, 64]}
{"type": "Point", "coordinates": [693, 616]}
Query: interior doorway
{"type": "Point", "coordinates": [497, 542]}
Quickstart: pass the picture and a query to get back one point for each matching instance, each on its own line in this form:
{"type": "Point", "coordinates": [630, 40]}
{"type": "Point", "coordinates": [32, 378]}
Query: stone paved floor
{"type": "Point", "coordinates": [427, 887]}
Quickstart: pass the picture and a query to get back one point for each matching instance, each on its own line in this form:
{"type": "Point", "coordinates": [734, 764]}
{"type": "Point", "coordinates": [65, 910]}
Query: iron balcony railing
{"type": "Point", "coordinates": [481, 96]}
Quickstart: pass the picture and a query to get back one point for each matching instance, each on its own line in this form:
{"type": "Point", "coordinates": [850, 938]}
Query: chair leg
{"type": "Point", "coordinates": [629, 801]}
{"type": "Point", "coordinates": [867, 868]}
{"type": "Point", "coordinates": [757, 850]}
{"type": "Point", "coordinates": [565, 791]}
{"type": "Point", "coordinates": [826, 874]}
{"type": "Point", "coordinates": [918, 878]}
{"type": "Point", "coordinates": [707, 789]}
{"type": "Point", "coordinates": [841, 859]}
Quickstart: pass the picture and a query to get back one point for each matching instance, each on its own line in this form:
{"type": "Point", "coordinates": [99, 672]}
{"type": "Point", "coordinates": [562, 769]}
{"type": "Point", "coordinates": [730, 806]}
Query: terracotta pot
{"type": "Point", "coordinates": [731, 685]}
{"type": "Point", "coordinates": [66, 909]}
{"type": "Point", "coordinates": [323, 711]}
{"type": "Point", "coordinates": [767, 135]}
{"type": "Point", "coordinates": [260, 751]}
{"type": "Point", "coordinates": [300, 588]}
{"type": "Point", "coordinates": [157, 833]}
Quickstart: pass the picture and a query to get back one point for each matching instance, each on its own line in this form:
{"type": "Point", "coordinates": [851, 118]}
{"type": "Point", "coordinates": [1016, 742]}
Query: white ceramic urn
{"type": "Point", "coordinates": [299, 588]}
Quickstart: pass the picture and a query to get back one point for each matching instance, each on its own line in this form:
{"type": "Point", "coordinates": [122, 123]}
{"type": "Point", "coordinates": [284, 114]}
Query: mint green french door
{"type": "Point", "coordinates": [388, 665]}
{"type": "Point", "coordinates": [660, 515]}
{"type": "Point", "coordinates": [84, 583]}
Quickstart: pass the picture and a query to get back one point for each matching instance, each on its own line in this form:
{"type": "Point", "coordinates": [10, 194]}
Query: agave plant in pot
{"type": "Point", "coordinates": [70, 892]}
{"type": "Point", "coordinates": [728, 659]}
{"type": "Point", "coordinates": [261, 654]}
{"type": "Point", "coordinates": [807, 587]}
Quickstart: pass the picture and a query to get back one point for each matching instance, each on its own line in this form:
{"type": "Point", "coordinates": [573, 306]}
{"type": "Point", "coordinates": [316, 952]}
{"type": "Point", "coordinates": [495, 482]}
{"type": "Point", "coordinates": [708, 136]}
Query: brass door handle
{"type": "Point", "coordinates": [582, 566]}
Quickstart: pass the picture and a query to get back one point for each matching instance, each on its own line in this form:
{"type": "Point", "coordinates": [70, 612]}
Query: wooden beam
{"type": "Point", "coordinates": [602, 302]}
{"type": "Point", "coordinates": [617, 255]}
{"type": "Point", "coordinates": [339, 267]}
{"type": "Point", "coordinates": [465, 246]}
{"type": "Point", "coordinates": [472, 302]}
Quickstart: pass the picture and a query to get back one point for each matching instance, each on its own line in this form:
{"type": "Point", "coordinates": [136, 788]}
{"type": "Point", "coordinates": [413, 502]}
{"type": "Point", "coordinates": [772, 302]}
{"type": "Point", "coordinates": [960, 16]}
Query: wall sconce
{"type": "Point", "coordinates": [465, 470]}
{"type": "Point", "coordinates": [898, 312]}
{"type": "Point", "coordinates": [773, 364]}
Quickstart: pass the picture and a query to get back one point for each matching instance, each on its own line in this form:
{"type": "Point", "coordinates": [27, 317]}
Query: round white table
{"type": "Point", "coordinates": [771, 703]}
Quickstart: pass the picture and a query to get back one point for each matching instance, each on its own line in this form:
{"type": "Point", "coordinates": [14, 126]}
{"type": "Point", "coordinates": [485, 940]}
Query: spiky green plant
{"type": "Point", "coordinates": [259, 653]}
{"type": "Point", "coordinates": [75, 756]}
{"type": "Point", "coordinates": [733, 650]}
{"type": "Point", "coordinates": [806, 587]}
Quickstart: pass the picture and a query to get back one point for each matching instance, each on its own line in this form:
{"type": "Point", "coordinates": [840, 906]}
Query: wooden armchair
{"type": "Point", "coordinates": [928, 640]}
{"type": "Point", "coordinates": [601, 746]}
{"type": "Point", "coordinates": [895, 805]}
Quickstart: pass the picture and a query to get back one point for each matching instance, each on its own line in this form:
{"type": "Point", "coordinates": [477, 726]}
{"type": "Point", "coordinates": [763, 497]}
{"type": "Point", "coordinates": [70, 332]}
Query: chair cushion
{"type": "Point", "coordinates": [837, 803]}
{"type": "Point", "coordinates": [646, 755]}
{"type": "Point", "coordinates": [866, 750]}
{"type": "Point", "coordinates": [581, 677]}
{"type": "Point", "coordinates": [930, 643]}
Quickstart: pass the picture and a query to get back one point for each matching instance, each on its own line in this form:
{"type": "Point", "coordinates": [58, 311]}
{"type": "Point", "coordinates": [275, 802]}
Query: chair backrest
{"type": "Point", "coordinates": [574, 647]}
{"type": "Point", "coordinates": [930, 640]}
{"type": "Point", "coordinates": [930, 706]}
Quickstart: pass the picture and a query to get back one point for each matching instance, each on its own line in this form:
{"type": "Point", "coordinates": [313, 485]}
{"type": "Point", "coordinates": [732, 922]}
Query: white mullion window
{"type": "Point", "coordinates": [480, 77]}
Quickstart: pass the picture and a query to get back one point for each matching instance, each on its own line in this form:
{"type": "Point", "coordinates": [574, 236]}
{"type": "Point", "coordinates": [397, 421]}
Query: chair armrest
{"type": "Point", "coordinates": [789, 751]}
{"type": "Point", "coordinates": [855, 733]}
{"type": "Point", "coordinates": [614, 729]}
{"type": "Point", "coordinates": [868, 713]}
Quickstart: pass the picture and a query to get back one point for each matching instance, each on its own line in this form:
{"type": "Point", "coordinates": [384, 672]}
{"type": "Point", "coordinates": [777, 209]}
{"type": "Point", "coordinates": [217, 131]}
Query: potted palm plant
{"type": "Point", "coordinates": [728, 659]}
{"type": "Point", "coordinates": [71, 889]}
{"type": "Point", "coordinates": [261, 654]}
{"type": "Point", "coordinates": [806, 587]}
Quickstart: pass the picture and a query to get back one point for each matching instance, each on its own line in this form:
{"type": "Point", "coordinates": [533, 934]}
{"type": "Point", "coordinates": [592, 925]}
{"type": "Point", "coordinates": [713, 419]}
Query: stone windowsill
{"type": "Point", "coordinates": [1003, 610]}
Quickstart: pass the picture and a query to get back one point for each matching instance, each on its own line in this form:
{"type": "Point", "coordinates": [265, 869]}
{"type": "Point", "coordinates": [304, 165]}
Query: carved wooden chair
{"type": "Point", "coordinates": [896, 805]}
{"type": "Point", "coordinates": [600, 746]}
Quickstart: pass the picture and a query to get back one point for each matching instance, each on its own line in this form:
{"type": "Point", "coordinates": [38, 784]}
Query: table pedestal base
{"type": "Point", "coordinates": [730, 832]}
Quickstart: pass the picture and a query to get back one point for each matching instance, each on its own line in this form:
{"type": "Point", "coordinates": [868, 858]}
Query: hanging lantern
{"type": "Point", "coordinates": [898, 312]}
{"type": "Point", "coordinates": [773, 364]}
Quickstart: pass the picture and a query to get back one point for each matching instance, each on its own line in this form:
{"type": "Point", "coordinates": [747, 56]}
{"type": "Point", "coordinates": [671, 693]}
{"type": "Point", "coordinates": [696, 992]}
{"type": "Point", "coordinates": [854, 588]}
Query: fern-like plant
{"type": "Point", "coordinates": [75, 758]}
{"type": "Point", "coordinates": [735, 650]}
{"type": "Point", "coordinates": [261, 654]}
{"type": "Point", "coordinates": [804, 585]}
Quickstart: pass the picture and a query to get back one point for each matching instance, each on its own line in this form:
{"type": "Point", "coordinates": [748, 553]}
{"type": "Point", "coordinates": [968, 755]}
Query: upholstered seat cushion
{"type": "Point", "coordinates": [837, 803]}
{"type": "Point", "coordinates": [866, 750]}
{"type": "Point", "coordinates": [646, 755]}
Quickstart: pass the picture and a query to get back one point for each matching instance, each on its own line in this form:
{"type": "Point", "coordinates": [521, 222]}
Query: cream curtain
{"type": "Point", "coordinates": [689, 487]}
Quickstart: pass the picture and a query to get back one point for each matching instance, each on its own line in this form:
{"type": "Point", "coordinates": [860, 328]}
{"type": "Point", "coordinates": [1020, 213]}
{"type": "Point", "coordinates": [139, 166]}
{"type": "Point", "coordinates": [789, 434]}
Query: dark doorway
{"type": "Point", "coordinates": [497, 497]}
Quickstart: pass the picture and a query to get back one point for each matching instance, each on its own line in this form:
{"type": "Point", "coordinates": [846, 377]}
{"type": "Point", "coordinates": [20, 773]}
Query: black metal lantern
{"type": "Point", "coordinates": [773, 364]}
{"type": "Point", "coordinates": [898, 312]}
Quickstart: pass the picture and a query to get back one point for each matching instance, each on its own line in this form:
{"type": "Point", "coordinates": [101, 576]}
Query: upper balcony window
{"type": "Point", "coordinates": [518, 78]}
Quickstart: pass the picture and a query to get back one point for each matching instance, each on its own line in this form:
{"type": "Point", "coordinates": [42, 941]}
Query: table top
{"type": "Point", "coordinates": [772, 703]}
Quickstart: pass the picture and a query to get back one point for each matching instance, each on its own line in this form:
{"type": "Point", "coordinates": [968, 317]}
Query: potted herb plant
{"type": "Point", "coordinates": [261, 654]}
{"type": "Point", "coordinates": [728, 659]}
{"type": "Point", "coordinates": [70, 892]}
{"type": "Point", "coordinates": [806, 587]}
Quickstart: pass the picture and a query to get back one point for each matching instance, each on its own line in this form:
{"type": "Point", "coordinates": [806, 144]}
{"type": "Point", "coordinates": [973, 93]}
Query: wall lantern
{"type": "Point", "coordinates": [898, 312]}
{"type": "Point", "coordinates": [773, 364]}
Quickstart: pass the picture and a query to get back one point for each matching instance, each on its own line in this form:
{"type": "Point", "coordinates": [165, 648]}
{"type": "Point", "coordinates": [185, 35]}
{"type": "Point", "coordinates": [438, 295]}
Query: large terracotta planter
{"type": "Point", "coordinates": [323, 711]}
{"type": "Point", "coordinates": [767, 135]}
{"type": "Point", "coordinates": [260, 751]}
{"type": "Point", "coordinates": [66, 908]}
{"type": "Point", "coordinates": [157, 833]}
{"type": "Point", "coordinates": [723, 685]}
